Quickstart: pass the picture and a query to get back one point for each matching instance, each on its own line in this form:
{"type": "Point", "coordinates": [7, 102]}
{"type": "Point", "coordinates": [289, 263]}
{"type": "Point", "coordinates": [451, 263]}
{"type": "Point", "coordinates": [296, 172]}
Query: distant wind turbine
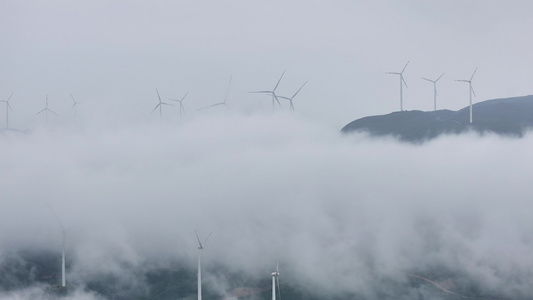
{"type": "Point", "coordinates": [224, 103]}
{"type": "Point", "coordinates": [160, 105]}
{"type": "Point", "coordinates": [272, 92]}
{"type": "Point", "coordinates": [8, 107]}
{"type": "Point", "coordinates": [182, 109]}
{"type": "Point", "coordinates": [46, 110]}
{"type": "Point", "coordinates": [434, 90]}
{"type": "Point", "coordinates": [64, 234]}
{"type": "Point", "coordinates": [402, 82]}
{"type": "Point", "coordinates": [200, 248]}
{"type": "Point", "coordinates": [275, 282]}
{"type": "Point", "coordinates": [290, 99]}
{"type": "Point", "coordinates": [471, 90]}
{"type": "Point", "coordinates": [74, 104]}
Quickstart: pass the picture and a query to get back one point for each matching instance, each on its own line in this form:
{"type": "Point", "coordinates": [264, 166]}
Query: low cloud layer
{"type": "Point", "coordinates": [340, 213]}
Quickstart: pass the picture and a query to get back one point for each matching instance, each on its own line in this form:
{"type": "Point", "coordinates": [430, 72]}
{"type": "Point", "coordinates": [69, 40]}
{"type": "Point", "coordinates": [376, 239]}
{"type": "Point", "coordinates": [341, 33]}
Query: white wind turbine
{"type": "Point", "coordinates": [402, 82]}
{"type": "Point", "coordinates": [275, 281]}
{"type": "Point", "coordinates": [471, 91]}
{"type": "Point", "coordinates": [200, 248]}
{"type": "Point", "coordinates": [160, 105]}
{"type": "Point", "coordinates": [64, 234]}
{"type": "Point", "coordinates": [182, 108]}
{"type": "Point", "coordinates": [74, 104]}
{"type": "Point", "coordinates": [290, 99]}
{"type": "Point", "coordinates": [8, 107]}
{"type": "Point", "coordinates": [272, 92]}
{"type": "Point", "coordinates": [46, 110]}
{"type": "Point", "coordinates": [434, 90]}
{"type": "Point", "coordinates": [225, 98]}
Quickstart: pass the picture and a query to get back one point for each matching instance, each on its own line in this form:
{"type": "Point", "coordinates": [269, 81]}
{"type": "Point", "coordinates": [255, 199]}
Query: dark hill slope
{"type": "Point", "coordinates": [510, 116]}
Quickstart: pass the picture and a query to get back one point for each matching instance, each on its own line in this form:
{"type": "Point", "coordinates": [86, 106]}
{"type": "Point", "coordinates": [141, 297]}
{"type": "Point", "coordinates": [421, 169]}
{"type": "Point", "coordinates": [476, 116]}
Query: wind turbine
{"type": "Point", "coordinates": [64, 234]}
{"type": "Point", "coordinates": [74, 104]}
{"type": "Point", "coordinates": [275, 281]}
{"type": "Point", "coordinates": [160, 105]}
{"type": "Point", "coordinates": [200, 248]}
{"type": "Point", "coordinates": [272, 92]}
{"type": "Point", "coordinates": [471, 91]}
{"type": "Point", "coordinates": [434, 90]}
{"type": "Point", "coordinates": [225, 98]}
{"type": "Point", "coordinates": [46, 110]}
{"type": "Point", "coordinates": [290, 99]}
{"type": "Point", "coordinates": [8, 107]}
{"type": "Point", "coordinates": [402, 82]}
{"type": "Point", "coordinates": [182, 109]}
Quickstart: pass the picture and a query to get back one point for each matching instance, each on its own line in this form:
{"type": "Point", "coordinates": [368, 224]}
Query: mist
{"type": "Point", "coordinates": [340, 213]}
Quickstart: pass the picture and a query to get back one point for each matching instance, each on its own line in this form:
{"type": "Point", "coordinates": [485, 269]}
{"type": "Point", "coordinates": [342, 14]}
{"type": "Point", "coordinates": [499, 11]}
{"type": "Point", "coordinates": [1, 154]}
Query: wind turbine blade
{"type": "Point", "coordinates": [404, 67]}
{"type": "Point", "coordinates": [10, 96]}
{"type": "Point", "coordinates": [8, 105]}
{"type": "Point", "coordinates": [292, 105]}
{"type": "Point", "coordinates": [403, 80]}
{"type": "Point", "coordinates": [298, 91]}
{"type": "Point", "coordinates": [156, 107]}
{"type": "Point", "coordinates": [184, 96]}
{"type": "Point", "coordinates": [262, 92]}
{"type": "Point", "coordinates": [207, 238]}
{"type": "Point", "coordinates": [164, 103]}
{"type": "Point", "coordinates": [52, 112]}
{"type": "Point", "coordinates": [394, 73]}
{"type": "Point", "coordinates": [471, 88]}
{"type": "Point", "coordinates": [181, 107]}
{"type": "Point", "coordinates": [439, 77]}
{"type": "Point", "coordinates": [158, 95]}
{"type": "Point", "coordinates": [428, 79]}
{"type": "Point", "coordinates": [198, 238]}
{"type": "Point", "coordinates": [283, 97]}
{"type": "Point", "coordinates": [74, 100]}
{"type": "Point", "coordinates": [41, 111]}
{"type": "Point", "coordinates": [276, 97]}
{"type": "Point", "coordinates": [473, 74]}
{"type": "Point", "coordinates": [279, 80]}
{"type": "Point", "coordinates": [227, 90]}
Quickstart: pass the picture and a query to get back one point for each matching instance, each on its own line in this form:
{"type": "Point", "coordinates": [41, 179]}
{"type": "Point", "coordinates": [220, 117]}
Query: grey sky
{"type": "Point", "coordinates": [112, 55]}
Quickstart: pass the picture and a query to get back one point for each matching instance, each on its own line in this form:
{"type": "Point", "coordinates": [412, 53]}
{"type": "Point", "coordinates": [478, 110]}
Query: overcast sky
{"type": "Point", "coordinates": [113, 54]}
{"type": "Point", "coordinates": [337, 211]}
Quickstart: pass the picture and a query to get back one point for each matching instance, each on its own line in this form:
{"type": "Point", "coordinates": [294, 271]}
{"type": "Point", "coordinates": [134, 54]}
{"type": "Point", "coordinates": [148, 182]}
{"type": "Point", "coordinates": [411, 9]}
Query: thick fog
{"type": "Point", "coordinates": [338, 212]}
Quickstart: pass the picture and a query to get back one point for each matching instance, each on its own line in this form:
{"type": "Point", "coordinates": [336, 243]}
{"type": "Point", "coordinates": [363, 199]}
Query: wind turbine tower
{"type": "Point", "coordinates": [434, 90]}
{"type": "Point", "coordinates": [8, 107]}
{"type": "Point", "coordinates": [471, 91]}
{"type": "Point", "coordinates": [275, 281]}
{"type": "Point", "coordinates": [290, 99]}
{"type": "Point", "coordinates": [402, 82]}
{"type": "Point", "coordinates": [200, 248]}
{"type": "Point", "coordinates": [64, 235]}
{"type": "Point", "coordinates": [272, 92]}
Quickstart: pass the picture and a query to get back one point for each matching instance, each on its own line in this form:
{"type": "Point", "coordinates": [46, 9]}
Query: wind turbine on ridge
{"type": "Point", "coordinates": [46, 110]}
{"type": "Point", "coordinates": [275, 281]}
{"type": "Point", "coordinates": [64, 234]}
{"type": "Point", "coordinates": [272, 92]}
{"type": "Point", "coordinates": [200, 248]}
{"type": "Point", "coordinates": [290, 99]}
{"type": "Point", "coordinates": [471, 90]}
{"type": "Point", "coordinates": [8, 107]}
{"type": "Point", "coordinates": [160, 105]}
{"type": "Point", "coordinates": [182, 108]}
{"type": "Point", "coordinates": [225, 98]}
{"type": "Point", "coordinates": [402, 82]}
{"type": "Point", "coordinates": [74, 104]}
{"type": "Point", "coordinates": [434, 90]}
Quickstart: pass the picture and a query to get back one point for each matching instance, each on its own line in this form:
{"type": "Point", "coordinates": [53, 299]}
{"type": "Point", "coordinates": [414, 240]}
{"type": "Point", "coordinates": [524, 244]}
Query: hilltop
{"type": "Point", "coordinates": [506, 116]}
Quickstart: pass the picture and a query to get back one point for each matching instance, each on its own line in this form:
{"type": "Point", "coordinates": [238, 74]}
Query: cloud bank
{"type": "Point", "coordinates": [342, 214]}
